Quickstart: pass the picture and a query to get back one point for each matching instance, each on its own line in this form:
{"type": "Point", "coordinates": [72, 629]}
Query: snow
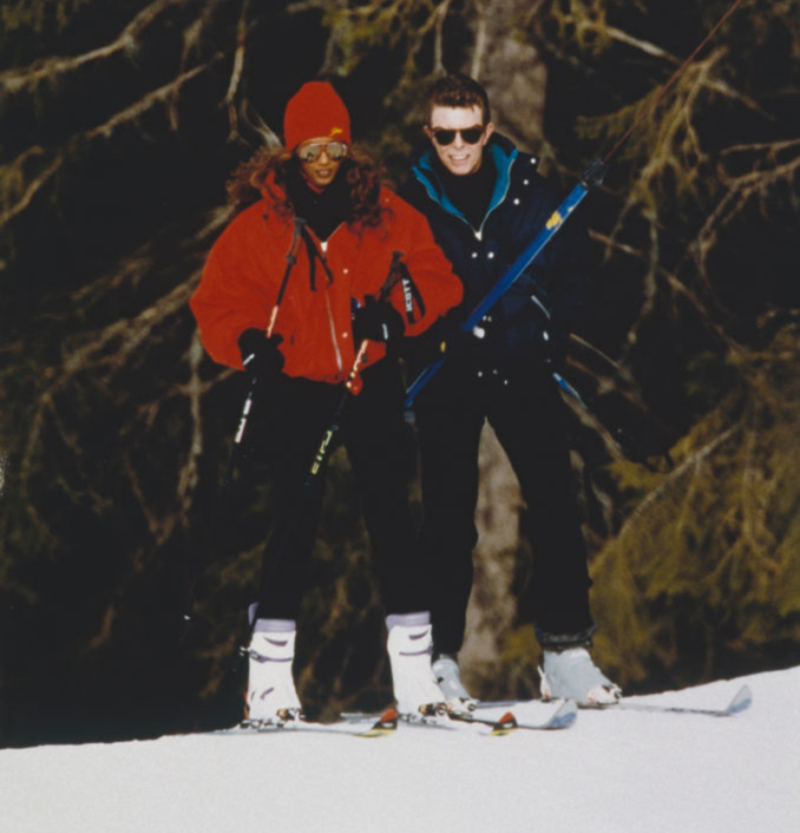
{"type": "Point", "coordinates": [612, 772]}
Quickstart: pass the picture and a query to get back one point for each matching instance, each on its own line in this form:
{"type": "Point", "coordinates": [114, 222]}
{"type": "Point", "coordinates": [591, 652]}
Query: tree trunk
{"type": "Point", "coordinates": [515, 78]}
{"type": "Point", "coordinates": [510, 69]}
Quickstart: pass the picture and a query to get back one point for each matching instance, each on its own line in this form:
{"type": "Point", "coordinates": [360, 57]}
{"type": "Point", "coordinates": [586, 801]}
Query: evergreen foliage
{"type": "Point", "coordinates": [704, 571]}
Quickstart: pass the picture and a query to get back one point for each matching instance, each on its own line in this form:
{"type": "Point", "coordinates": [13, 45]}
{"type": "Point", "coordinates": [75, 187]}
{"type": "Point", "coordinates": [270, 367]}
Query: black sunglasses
{"type": "Point", "coordinates": [471, 135]}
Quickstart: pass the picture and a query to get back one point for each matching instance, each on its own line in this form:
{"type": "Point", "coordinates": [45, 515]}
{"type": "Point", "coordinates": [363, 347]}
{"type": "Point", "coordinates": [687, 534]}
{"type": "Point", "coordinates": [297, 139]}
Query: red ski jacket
{"type": "Point", "coordinates": [245, 269]}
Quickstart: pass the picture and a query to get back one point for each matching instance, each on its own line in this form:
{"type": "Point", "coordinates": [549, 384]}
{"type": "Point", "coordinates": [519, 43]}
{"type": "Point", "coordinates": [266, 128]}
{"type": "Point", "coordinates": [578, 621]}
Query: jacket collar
{"type": "Point", "coordinates": [499, 151]}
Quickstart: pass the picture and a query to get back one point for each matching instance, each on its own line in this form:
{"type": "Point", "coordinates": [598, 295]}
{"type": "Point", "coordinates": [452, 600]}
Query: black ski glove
{"type": "Point", "coordinates": [377, 321]}
{"type": "Point", "coordinates": [260, 355]}
{"type": "Point", "coordinates": [455, 343]}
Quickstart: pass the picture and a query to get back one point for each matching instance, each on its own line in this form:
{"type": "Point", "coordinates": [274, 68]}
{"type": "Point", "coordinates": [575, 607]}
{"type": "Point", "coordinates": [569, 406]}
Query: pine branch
{"type": "Point", "coordinates": [671, 480]}
{"type": "Point", "coordinates": [712, 83]}
{"type": "Point", "coordinates": [676, 285]}
{"type": "Point", "coordinates": [741, 189]}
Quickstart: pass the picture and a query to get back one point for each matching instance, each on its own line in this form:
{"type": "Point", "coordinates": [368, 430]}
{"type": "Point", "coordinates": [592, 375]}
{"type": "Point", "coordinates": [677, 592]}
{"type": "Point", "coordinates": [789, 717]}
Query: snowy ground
{"type": "Point", "coordinates": [612, 772]}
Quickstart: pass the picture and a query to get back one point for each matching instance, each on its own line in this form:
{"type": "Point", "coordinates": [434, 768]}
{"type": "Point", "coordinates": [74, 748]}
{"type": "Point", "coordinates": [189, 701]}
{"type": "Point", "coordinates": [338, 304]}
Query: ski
{"type": "Point", "coordinates": [742, 700]}
{"type": "Point", "coordinates": [384, 725]}
{"type": "Point", "coordinates": [562, 718]}
{"type": "Point", "coordinates": [454, 721]}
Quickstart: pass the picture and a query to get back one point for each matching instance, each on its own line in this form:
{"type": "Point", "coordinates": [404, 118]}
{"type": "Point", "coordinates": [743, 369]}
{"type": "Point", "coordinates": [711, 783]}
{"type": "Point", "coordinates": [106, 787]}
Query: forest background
{"type": "Point", "coordinates": [119, 124]}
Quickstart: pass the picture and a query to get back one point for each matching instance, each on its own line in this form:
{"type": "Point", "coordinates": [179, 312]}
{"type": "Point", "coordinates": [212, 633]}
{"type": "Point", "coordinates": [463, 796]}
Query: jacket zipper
{"type": "Point", "coordinates": [323, 245]}
{"type": "Point", "coordinates": [479, 232]}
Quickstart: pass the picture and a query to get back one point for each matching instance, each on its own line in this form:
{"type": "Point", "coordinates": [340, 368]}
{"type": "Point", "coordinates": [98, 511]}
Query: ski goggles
{"type": "Point", "coordinates": [334, 151]}
{"type": "Point", "coordinates": [471, 135]}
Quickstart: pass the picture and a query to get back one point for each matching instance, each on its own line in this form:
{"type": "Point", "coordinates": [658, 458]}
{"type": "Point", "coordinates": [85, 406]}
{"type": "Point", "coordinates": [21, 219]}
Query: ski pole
{"type": "Point", "coordinates": [291, 259]}
{"type": "Point", "coordinates": [397, 274]}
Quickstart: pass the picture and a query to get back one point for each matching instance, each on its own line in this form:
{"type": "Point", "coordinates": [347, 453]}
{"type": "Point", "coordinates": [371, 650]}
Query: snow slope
{"type": "Point", "coordinates": [612, 772]}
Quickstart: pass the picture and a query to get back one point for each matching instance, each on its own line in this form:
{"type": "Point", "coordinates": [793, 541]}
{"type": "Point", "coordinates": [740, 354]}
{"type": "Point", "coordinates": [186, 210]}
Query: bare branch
{"type": "Point", "coordinates": [479, 50]}
{"type": "Point", "coordinates": [677, 286]}
{"type": "Point", "coordinates": [238, 68]}
{"type": "Point", "coordinates": [189, 472]}
{"type": "Point", "coordinates": [159, 96]}
{"type": "Point", "coordinates": [14, 79]}
{"type": "Point", "coordinates": [33, 187]}
{"type": "Point", "coordinates": [438, 45]}
{"type": "Point", "coordinates": [131, 334]}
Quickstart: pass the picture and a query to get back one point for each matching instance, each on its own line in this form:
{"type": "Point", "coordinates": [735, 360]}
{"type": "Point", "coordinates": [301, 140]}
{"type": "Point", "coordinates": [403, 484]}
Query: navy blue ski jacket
{"type": "Point", "coordinates": [549, 296]}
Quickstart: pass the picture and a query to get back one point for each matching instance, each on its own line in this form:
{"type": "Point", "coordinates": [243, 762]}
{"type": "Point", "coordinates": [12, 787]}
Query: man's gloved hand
{"type": "Point", "coordinates": [260, 355]}
{"type": "Point", "coordinates": [377, 321]}
{"type": "Point", "coordinates": [455, 343]}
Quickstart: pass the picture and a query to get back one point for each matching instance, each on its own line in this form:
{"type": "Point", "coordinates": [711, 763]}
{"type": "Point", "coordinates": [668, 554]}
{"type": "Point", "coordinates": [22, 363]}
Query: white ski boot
{"type": "Point", "coordinates": [448, 677]}
{"type": "Point", "coordinates": [571, 675]}
{"type": "Point", "coordinates": [410, 647]}
{"type": "Point", "coordinates": [271, 695]}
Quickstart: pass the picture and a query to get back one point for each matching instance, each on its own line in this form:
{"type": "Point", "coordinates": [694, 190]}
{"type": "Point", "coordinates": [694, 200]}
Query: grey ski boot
{"type": "Point", "coordinates": [445, 669]}
{"type": "Point", "coordinates": [570, 674]}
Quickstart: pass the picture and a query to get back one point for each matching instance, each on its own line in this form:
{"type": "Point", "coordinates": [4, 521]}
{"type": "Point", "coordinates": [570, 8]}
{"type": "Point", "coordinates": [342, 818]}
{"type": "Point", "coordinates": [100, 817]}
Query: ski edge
{"type": "Point", "coordinates": [460, 721]}
{"type": "Point", "coordinates": [741, 701]}
{"type": "Point", "coordinates": [562, 717]}
{"type": "Point", "coordinates": [385, 724]}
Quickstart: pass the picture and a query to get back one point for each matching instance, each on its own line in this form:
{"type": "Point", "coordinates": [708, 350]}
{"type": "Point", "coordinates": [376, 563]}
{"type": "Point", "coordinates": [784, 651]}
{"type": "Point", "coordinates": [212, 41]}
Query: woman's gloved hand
{"type": "Point", "coordinates": [377, 321]}
{"type": "Point", "coordinates": [261, 356]}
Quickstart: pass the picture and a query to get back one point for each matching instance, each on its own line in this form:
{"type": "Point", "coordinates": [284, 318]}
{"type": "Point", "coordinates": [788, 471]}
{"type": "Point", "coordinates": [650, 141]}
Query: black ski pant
{"type": "Point", "coordinates": [290, 420]}
{"type": "Point", "coordinates": [524, 407]}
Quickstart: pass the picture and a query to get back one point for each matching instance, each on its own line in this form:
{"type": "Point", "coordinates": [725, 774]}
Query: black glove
{"type": "Point", "coordinates": [377, 321]}
{"type": "Point", "coordinates": [260, 355]}
{"type": "Point", "coordinates": [455, 343]}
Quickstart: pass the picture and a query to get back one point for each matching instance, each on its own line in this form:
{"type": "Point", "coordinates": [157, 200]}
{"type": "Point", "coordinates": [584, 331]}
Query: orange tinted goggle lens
{"type": "Point", "coordinates": [335, 151]}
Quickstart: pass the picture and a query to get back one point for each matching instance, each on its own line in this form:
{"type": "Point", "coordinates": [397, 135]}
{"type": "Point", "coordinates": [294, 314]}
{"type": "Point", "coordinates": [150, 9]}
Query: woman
{"type": "Point", "coordinates": [305, 289]}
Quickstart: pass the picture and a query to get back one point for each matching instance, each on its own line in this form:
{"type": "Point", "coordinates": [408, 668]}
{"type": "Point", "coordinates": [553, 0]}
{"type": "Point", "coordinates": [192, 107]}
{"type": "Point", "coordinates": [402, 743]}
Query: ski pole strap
{"type": "Point", "coordinates": [412, 297]}
{"type": "Point", "coordinates": [592, 177]}
{"type": "Point", "coordinates": [314, 255]}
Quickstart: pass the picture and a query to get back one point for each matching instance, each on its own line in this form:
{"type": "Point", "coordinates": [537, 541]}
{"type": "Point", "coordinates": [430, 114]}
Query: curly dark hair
{"type": "Point", "coordinates": [363, 174]}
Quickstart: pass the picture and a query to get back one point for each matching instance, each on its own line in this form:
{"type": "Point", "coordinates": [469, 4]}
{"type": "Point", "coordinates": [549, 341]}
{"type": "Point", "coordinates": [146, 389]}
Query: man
{"type": "Point", "coordinates": [485, 203]}
{"type": "Point", "coordinates": [299, 291]}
